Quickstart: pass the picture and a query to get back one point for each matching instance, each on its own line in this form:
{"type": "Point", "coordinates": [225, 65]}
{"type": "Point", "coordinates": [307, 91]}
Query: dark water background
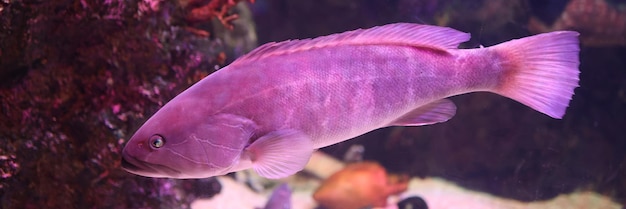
{"type": "Point", "coordinates": [78, 77]}
{"type": "Point", "coordinates": [493, 144]}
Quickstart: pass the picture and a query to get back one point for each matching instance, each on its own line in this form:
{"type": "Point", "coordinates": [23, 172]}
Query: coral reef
{"type": "Point", "coordinates": [78, 77]}
{"type": "Point", "coordinates": [600, 22]}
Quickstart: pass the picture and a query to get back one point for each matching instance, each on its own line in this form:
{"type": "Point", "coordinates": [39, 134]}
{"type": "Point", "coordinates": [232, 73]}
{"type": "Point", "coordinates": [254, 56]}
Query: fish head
{"type": "Point", "coordinates": [183, 141]}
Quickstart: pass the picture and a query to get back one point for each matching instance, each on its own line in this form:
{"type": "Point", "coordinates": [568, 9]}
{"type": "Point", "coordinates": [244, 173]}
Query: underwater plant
{"type": "Point", "coordinates": [79, 75]}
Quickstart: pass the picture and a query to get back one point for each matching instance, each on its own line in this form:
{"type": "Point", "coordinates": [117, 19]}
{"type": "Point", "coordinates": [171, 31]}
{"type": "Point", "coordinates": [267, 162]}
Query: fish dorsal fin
{"type": "Point", "coordinates": [408, 34]}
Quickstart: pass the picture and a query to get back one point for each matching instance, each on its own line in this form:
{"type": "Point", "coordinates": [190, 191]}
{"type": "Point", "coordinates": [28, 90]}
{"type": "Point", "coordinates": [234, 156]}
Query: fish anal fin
{"type": "Point", "coordinates": [280, 153]}
{"type": "Point", "coordinates": [431, 113]}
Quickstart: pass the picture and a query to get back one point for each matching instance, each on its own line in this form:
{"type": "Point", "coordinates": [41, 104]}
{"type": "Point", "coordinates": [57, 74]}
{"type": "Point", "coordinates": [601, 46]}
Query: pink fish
{"type": "Point", "coordinates": [270, 109]}
{"type": "Point", "coordinates": [280, 198]}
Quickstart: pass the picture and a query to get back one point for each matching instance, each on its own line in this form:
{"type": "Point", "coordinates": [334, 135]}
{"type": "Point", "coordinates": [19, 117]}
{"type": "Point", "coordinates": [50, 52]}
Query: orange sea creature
{"type": "Point", "coordinates": [359, 185]}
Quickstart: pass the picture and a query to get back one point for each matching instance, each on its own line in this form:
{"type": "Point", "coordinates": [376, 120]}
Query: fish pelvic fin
{"type": "Point", "coordinates": [540, 71]}
{"type": "Point", "coordinates": [280, 153]}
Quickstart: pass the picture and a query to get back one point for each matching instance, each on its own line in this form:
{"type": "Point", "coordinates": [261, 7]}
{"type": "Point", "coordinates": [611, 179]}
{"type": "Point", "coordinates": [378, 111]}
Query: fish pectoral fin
{"type": "Point", "coordinates": [280, 153]}
{"type": "Point", "coordinates": [431, 113]}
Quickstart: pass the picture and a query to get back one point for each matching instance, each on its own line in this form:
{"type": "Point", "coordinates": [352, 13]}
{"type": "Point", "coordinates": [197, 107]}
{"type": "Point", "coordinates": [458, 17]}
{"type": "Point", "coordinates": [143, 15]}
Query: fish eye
{"type": "Point", "coordinates": [156, 141]}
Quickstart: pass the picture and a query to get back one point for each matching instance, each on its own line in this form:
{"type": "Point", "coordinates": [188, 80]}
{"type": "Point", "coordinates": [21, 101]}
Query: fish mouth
{"type": "Point", "coordinates": [132, 165]}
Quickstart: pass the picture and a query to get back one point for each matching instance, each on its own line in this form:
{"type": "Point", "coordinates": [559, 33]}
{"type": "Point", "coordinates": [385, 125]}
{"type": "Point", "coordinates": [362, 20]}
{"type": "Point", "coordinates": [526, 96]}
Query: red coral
{"type": "Point", "coordinates": [215, 9]}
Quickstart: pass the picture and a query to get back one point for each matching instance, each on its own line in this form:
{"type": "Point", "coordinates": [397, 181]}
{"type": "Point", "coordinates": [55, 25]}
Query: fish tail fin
{"type": "Point", "coordinates": [540, 71]}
